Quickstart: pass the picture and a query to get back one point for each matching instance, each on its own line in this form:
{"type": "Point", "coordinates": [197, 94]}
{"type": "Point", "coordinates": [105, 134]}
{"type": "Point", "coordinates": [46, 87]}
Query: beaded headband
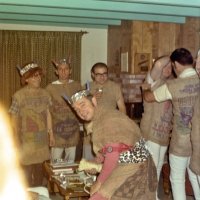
{"type": "Point", "coordinates": [26, 68]}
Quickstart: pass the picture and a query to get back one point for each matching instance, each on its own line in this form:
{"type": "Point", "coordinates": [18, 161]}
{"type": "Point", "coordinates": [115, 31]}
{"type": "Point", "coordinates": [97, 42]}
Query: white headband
{"type": "Point", "coordinates": [26, 68]}
{"type": "Point", "coordinates": [77, 96]}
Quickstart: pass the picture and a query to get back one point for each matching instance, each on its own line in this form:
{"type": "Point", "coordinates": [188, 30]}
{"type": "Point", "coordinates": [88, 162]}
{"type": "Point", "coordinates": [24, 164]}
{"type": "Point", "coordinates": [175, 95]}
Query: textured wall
{"type": "Point", "coordinates": [153, 38]}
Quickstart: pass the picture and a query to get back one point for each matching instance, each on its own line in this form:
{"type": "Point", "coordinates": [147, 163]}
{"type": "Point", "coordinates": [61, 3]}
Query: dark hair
{"type": "Point", "coordinates": [100, 65]}
{"type": "Point", "coordinates": [182, 56]}
{"type": "Point", "coordinates": [30, 73]}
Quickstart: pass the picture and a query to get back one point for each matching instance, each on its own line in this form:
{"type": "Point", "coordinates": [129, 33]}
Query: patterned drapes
{"type": "Point", "coordinates": [20, 47]}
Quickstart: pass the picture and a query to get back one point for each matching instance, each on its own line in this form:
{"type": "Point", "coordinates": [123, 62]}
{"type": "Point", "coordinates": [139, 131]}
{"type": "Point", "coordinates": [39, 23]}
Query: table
{"type": "Point", "coordinates": [54, 186]}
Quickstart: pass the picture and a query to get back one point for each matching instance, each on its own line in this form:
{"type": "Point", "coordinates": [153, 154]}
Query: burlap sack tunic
{"type": "Point", "coordinates": [127, 181]}
{"type": "Point", "coordinates": [156, 122]}
{"type": "Point", "coordinates": [110, 95]}
{"type": "Point", "coordinates": [184, 94]}
{"type": "Point", "coordinates": [195, 139]}
{"type": "Point", "coordinates": [31, 109]}
{"type": "Point", "coordinates": [65, 121]}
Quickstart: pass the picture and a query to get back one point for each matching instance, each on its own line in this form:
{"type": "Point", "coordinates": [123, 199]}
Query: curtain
{"type": "Point", "coordinates": [21, 47]}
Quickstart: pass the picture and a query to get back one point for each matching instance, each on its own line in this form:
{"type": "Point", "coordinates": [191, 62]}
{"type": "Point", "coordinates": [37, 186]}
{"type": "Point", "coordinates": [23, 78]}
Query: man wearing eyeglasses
{"type": "Point", "coordinates": [107, 92]}
{"type": "Point", "coordinates": [108, 95]}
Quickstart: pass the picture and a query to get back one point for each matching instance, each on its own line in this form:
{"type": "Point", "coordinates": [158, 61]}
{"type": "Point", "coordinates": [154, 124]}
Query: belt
{"type": "Point", "coordinates": [122, 147]}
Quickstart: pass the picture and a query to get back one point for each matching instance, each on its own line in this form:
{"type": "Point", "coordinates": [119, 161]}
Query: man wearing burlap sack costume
{"type": "Point", "coordinates": [32, 122]}
{"type": "Point", "coordinates": [183, 93]}
{"type": "Point", "coordinates": [107, 93]}
{"type": "Point", "coordinates": [114, 135]}
{"type": "Point", "coordinates": [195, 139]}
{"type": "Point", "coordinates": [195, 134]}
{"type": "Point", "coordinates": [156, 122]}
{"type": "Point", "coordinates": [65, 122]}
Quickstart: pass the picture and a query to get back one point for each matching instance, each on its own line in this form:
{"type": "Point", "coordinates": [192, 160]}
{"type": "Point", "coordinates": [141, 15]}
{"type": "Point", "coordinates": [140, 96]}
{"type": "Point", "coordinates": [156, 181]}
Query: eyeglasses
{"type": "Point", "coordinates": [101, 74]}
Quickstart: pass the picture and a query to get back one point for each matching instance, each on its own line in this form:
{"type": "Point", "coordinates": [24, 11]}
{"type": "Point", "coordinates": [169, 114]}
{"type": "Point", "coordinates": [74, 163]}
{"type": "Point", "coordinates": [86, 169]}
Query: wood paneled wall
{"type": "Point", "coordinates": [154, 38]}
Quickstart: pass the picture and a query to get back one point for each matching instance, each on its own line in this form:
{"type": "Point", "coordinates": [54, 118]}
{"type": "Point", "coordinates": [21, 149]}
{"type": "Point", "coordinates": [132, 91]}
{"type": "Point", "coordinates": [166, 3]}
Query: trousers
{"type": "Point", "coordinates": [69, 153]}
{"type": "Point", "coordinates": [178, 166]}
{"type": "Point", "coordinates": [158, 153]}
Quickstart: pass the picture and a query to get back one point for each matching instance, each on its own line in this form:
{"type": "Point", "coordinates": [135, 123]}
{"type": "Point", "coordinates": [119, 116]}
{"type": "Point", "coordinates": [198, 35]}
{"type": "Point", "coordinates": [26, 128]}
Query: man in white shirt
{"type": "Point", "coordinates": [65, 122]}
{"type": "Point", "coordinates": [183, 93]}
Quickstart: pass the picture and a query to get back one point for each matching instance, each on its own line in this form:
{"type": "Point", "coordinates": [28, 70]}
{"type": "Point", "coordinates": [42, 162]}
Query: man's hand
{"type": "Point", "coordinates": [98, 94]}
{"type": "Point", "coordinates": [148, 96]}
{"type": "Point", "coordinates": [95, 187]}
{"type": "Point", "coordinates": [92, 171]}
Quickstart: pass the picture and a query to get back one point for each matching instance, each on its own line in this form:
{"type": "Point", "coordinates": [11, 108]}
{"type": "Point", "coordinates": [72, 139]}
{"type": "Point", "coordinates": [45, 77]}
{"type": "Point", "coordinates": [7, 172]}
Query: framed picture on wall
{"type": "Point", "coordinates": [142, 62]}
{"type": "Point", "coordinates": [124, 62]}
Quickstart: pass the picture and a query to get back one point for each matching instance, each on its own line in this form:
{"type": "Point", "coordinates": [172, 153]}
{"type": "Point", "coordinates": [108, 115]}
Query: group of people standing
{"type": "Point", "coordinates": [36, 111]}
{"type": "Point", "coordinates": [174, 103]}
{"type": "Point", "coordinates": [129, 163]}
